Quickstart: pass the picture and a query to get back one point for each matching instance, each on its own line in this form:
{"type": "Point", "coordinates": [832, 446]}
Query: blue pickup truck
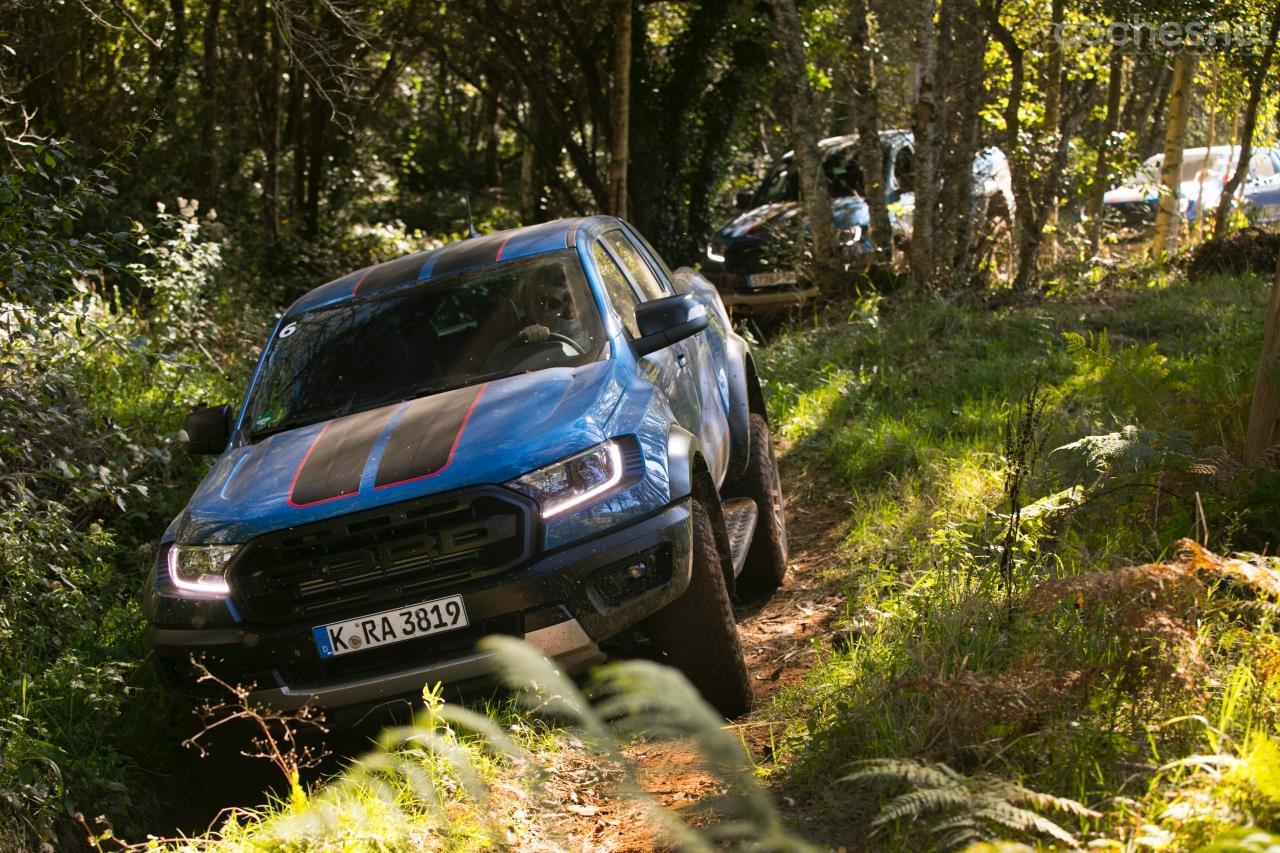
{"type": "Point", "coordinates": [543, 433]}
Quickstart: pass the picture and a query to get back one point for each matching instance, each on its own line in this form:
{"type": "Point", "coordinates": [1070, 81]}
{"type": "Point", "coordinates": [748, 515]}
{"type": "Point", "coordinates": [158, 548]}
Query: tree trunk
{"type": "Point", "coordinates": [620, 107]}
{"type": "Point", "coordinates": [1169, 214]}
{"type": "Point", "coordinates": [297, 126]}
{"type": "Point", "coordinates": [1264, 412]}
{"type": "Point", "coordinates": [866, 112]}
{"type": "Point", "coordinates": [1198, 229]}
{"type": "Point", "coordinates": [318, 120]}
{"type": "Point", "coordinates": [528, 209]}
{"type": "Point", "coordinates": [207, 179]}
{"type": "Point", "coordinates": [1053, 119]}
{"type": "Point", "coordinates": [926, 148]}
{"type": "Point", "coordinates": [1102, 169]}
{"type": "Point", "coordinates": [492, 175]}
{"type": "Point", "coordinates": [1020, 160]}
{"type": "Point", "coordinates": [962, 80]}
{"type": "Point", "coordinates": [1152, 117]}
{"type": "Point", "coordinates": [1257, 83]}
{"type": "Point", "coordinates": [826, 263]}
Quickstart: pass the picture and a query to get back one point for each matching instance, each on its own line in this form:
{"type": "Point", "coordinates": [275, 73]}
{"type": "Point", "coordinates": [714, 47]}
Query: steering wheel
{"type": "Point", "coordinates": [565, 339]}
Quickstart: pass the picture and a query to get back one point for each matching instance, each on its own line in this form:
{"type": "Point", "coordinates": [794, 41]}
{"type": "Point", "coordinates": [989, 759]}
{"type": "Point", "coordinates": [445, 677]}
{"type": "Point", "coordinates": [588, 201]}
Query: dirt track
{"type": "Point", "coordinates": [778, 641]}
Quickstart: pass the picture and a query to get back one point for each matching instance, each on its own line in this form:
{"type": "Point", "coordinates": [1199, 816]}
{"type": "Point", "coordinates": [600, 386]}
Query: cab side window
{"type": "Point", "coordinates": [904, 170]}
{"type": "Point", "coordinates": [1262, 166]}
{"type": "Point", "coordinates": [619, 289]}
{"type": "Point", "coordinates": [635, 265]}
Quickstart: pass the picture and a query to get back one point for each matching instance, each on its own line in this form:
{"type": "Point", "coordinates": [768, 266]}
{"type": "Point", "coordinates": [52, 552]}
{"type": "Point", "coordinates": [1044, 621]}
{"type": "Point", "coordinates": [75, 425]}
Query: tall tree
{"type": "Point", "coordinates": [927, 144]}
{"type": "Point", "coordinates": [866, 109]}
{"type": "Point", "coordinates": [1053, 114]}
{"type": "Point", "coordinates": [963, 84]}
{"type": "Point", "coordinates": [620, 107]}
{"type": "Point", "coordinates": [1106, 147]}
{"type": "Point", "coordinates": [1257, 82]}
{"type": "Point", "coordinates": [1169, 212]}
{"type": "Point", "coordinates": [826, 263]}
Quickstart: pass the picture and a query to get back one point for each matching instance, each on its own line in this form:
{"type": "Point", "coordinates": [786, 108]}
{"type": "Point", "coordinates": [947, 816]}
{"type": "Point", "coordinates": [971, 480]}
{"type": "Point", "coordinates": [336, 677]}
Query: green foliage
{"type": "Point", "coordinates": [42, 252]}
{"type": "Point", "coordinates": [433, 783]}
{"type": "Point", "coordinates": [959, 811]}
{"type": "Point", "coordinates": [1067, 691]}
{"type": "Point", "coordinates": [1132, 450]}
{"type": "Point", "coordinates": [93, 391]}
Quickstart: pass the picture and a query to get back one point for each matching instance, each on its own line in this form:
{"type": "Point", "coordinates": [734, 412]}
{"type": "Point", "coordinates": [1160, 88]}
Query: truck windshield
{"type": "Point", "coordinates": [844, 177]}
{"type": "Point", "coordinates": [422, 339]}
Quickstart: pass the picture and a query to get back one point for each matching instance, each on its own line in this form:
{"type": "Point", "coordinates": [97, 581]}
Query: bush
{"type": "Point", "coordinates": [92, 389]}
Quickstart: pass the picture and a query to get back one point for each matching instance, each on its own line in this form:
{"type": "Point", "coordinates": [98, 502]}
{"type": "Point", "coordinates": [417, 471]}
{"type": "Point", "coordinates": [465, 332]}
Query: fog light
{"type": "Point", "coordinates": [627, 579]}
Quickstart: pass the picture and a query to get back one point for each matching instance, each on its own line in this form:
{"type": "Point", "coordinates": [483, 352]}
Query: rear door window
{"type": "Point", "coordinates": [635, 265]}
{"type": "Point", "coordinates": [621, 296]}
{"type": "Point", "coordinates": [1262, 165]}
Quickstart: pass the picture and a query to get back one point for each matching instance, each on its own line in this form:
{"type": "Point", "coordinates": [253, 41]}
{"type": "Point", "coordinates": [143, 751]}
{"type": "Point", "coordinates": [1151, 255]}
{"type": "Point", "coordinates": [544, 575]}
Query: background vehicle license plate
{"type": "Point", "coordinates": [390, 626]}
{"type": "Point", "coordinates": [771, 279]}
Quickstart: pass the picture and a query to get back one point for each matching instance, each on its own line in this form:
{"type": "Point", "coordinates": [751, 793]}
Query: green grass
{"type": "Point", "coordinates": [905, 408]}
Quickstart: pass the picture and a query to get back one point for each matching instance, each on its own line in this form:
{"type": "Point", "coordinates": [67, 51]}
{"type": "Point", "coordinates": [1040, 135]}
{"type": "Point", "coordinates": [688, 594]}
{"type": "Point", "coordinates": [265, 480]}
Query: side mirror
{"type": "Point", "coordinates": [743, 200]}
{"type": "Point", "coordinates": [665, 321]}
{"type": "Point", "coordinates": [207, 430]}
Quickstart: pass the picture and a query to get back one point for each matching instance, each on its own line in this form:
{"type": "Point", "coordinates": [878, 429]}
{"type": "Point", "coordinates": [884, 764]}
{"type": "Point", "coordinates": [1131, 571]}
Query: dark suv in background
{"type": "Point", "coordinates": [752, 258]}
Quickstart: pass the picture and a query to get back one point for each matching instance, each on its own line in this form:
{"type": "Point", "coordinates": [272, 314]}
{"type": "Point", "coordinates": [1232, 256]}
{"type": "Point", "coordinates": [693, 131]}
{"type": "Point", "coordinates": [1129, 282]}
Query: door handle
{"type": "Point", "coordinates": [682, 360]}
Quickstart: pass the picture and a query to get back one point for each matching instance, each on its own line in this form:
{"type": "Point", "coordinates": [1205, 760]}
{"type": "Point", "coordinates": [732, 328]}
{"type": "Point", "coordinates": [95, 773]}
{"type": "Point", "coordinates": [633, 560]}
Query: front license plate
{"type": "Point", "coordinates": [390, 626]}
{"type": "Point", "coordinates": [771, 279]}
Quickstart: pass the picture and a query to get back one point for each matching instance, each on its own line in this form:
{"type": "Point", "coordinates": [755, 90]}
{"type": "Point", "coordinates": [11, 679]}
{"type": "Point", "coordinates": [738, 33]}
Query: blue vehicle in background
{"type": "Point", "coordinates": [753, 258]}
{"type": "Point", "coordinates": [543, 433]}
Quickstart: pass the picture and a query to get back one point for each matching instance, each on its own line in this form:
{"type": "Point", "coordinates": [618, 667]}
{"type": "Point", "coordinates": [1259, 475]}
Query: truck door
{"type": "Point", "coordinates": [700, 410]}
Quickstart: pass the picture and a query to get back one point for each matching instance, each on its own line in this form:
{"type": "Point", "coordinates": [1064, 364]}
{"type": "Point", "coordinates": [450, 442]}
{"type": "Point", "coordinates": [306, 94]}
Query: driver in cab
{"type": "Point", "coordinates": [548, 307]}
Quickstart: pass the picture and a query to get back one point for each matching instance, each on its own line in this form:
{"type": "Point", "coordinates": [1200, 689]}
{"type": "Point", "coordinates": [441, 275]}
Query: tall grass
{"type": "Point", "coordinates": [907, 405]}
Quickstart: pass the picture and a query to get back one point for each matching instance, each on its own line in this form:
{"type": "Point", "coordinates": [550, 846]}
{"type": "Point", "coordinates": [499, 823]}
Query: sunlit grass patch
{"type": "Point", "coordinates": [937, 656]}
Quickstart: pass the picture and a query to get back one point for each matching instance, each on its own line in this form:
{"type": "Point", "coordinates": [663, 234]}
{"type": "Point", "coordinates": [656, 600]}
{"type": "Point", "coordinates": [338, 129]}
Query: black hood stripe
{"type": "Point", "coordinates": [468, 253]}
{"type": "Point", "coordinates": [425, 438]}
{"type": "Point", "coordinates": [334, 463]}
{"type": "Point", "coordinates": [400, 271]}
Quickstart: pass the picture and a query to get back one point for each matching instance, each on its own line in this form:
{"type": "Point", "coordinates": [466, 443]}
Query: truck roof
{"type": "Point", "coordinates": [465, 254]}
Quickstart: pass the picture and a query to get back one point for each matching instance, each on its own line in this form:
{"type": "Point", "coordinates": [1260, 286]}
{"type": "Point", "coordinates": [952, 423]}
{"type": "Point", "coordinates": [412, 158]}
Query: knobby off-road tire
{"type": "Point", "coordinates": [766, 563]}
{"type": "Point", "coordinates": [697, 634]}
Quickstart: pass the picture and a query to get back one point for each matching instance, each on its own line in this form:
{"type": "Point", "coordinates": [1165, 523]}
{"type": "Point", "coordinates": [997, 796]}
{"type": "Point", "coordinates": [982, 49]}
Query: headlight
{"type": "Point", "coordinates": [852, 235]}
{"type": "Point", "coordinates": [572, 482]}
{"type": "Point", "coordinates": [201, 570]}
{"type": "Point", "coordinates": [713, 255]}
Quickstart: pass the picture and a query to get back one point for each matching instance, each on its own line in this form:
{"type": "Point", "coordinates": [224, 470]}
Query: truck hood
{"type": "Point", "coordinates": [483, 434]}
{"type": "Point", "coordinates": [763, 223]}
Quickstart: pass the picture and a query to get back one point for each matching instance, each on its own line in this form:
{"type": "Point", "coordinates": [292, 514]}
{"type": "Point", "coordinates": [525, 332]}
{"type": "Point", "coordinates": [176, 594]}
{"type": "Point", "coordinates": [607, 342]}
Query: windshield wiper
{"type": "Point", "coordinates": [429, 389]}
{"type": "Point", "coordinates": [285, 425]}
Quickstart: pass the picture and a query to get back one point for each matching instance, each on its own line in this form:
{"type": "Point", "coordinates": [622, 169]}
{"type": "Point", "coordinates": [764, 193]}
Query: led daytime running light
{"type": "Point", "coordinates": [207, 584]}
{"type": "Point", "coordinates": [615, 477]}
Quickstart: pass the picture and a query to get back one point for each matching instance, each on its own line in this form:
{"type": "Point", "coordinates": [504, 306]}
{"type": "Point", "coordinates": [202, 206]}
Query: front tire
{"type": "Point", "coordinates": [766, 563]}
{"type": "Point", "coordinates": [697, 633]}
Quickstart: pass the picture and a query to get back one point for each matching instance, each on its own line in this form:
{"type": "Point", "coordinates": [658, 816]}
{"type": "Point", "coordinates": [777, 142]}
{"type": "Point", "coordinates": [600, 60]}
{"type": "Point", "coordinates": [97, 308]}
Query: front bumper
{"type": "Point", "coordinates": [739, 300]}
{"type": "Point", "coordinates": [564, 603]}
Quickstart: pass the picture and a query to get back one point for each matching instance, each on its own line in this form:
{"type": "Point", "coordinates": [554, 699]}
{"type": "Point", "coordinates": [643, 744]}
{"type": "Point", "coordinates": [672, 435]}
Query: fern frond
{"type": "Point", "coordinates": [1022, 820]}
{"type": "Point", "coordinates": [1049, 801]}
{"type": "Point", "coordinates": [923, 801]}
{"type": "Point", "coordinates": [1132, 449]}
{"type": "Point", "coordinates": [962, 837]}
{"type": "Point", "coordinates": [916, 773]}
{"type": "Point", "coordinates": [543, 688]}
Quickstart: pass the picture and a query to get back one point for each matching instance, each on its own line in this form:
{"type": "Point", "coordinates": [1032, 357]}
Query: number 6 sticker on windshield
{"type": "Point", "coordinates": [288, 330]}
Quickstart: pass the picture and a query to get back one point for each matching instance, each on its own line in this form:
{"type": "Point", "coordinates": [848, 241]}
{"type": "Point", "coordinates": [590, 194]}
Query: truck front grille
{"type": "Point", "coordinates": [381, 555]}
